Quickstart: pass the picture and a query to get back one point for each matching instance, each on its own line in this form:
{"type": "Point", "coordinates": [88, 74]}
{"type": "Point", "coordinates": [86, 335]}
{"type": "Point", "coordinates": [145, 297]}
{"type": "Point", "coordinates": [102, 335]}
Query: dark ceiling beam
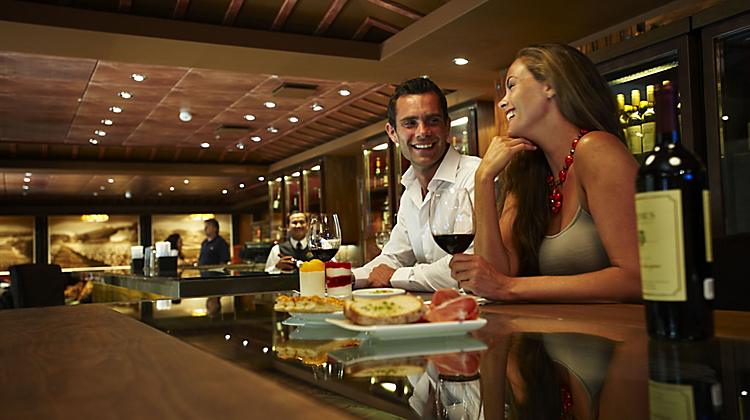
{"type": "Point", "coordinates": [398, 8]}
{"type": "Point", "coordinates": [130, 168]}
{"type": "Point", "coordinates": [124, 6]}
{"type": "Point", "coordinates": [330, 16]}
{"type": "Point", "coordinates": [232, 11]}
{"type": "Point", "coordinates": [180, 8]}
{"type": "Point", "coordinates": [371, 22]}
{"type": "Point", "coordinates": [283, 15]}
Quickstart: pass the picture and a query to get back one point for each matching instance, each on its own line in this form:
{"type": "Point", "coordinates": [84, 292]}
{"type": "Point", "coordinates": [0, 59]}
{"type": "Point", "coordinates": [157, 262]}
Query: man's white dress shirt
{"type": "Point", "coordinates": [421, 265]}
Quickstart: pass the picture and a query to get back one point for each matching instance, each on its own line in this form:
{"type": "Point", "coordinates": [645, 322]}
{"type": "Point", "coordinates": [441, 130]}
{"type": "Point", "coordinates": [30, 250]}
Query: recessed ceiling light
{"type": "Point", "coordinates": [225, 192]}
{"type": "Point", "coordinates": [345, 92]}
{"type": "Point", "coordinates": [240, 146]}
{"type": "Point", "coordinates": [250, 117]}
{"type": "Point", "coordinates": [27, 174]}
{"type": "Point", "coordinates": [185, 115]}
{"type": "Point", "coordinates": [460, 61]}
{"type": "Point", "coordinates": [100, 133]}
{"type": "Point", "coordinates": [115, 109]}
{"type": "Point", "coordinates": [296, 174]}
{"type": "Point", "coordinates": [102, 188]}
{"type": "Point", "coordinates": [205, 145]}
{"type": "Point", "coordinates": [274, 76]}
{"type": "Point", "coordinates": [255, 138]}
{"type": "Point", "coordinates": [107, 121]}
{"type": "Point", "coordinates": [138, 77]}
{"type": "Point", "coordinates": [125, 95]}
{"type": "Point", "coordinates": [381, 146]}
{"type": "Point", "coordinates": [25, 187]}
{"type": "Point", "coordinates": [316, 107]}
{"type": "Point", "coordinates": [725, 117]}
{"type": "Point", "coordinates": [186, 181]}
{"type": "Point", "coordinates": [315, 168]}
{"type": "Point", "coordinates": [272, 129]}
{"type": "Point", "coordinates": [128, 195]}
{"type": "Point", "coordinates": [27, 179]}
{"type": "Point", "coordinates": [242, 185]}
{"type": "Point", "coordinates": [159, 194]}
{"type": "Point", "coordinates": [95, 193]}
{"type": "Point", "coordinates": [171, 188]}
{"type": "Point", "coordinates": [269, 104]}
{"type": "Point", "coordinates": [261, 178]}
{"type": "Point", "coordinates": [94, 141]}
{"type": "Point", "coordinates": [278, 179]}
{"type": "Point", "coordinates": [111, 180]}
{"type": "Point", "coordinates": [293, 119]}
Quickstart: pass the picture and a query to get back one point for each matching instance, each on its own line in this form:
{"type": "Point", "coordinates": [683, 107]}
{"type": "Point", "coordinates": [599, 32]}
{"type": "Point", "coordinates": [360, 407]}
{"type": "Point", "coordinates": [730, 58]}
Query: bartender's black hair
{"type": "Point", "coordinates": [418, 86]}
{"type": "Point", "coordinates": [213, 222]}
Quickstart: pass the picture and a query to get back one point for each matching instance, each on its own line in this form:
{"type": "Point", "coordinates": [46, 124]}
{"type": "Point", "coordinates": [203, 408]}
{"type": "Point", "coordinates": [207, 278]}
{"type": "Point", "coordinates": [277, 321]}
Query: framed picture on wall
{"type": "Point", "coordinates": [190, 229]}
{"type": "Point", "coordinates": [92, 240]}
{"type": "Point", "coordinates": [16, 241]}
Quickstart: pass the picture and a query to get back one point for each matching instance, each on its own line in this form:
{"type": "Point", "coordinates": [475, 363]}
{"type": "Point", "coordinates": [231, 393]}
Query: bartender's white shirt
{"type": "Point", "coordinates": [273, 256]}
{"type": "Point", "coordinates": [421, 265]}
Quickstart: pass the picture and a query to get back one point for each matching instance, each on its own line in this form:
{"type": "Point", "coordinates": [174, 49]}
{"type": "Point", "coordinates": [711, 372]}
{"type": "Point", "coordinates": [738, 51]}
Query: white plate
{"type": "Point", "coordinates": [372, 350]}
{"type": "Point", "coordinates": [408, 331]}
{"type": "Point", "coordinates": [378, 293]}
{"type": "Point", "coordinates": [305, 318]}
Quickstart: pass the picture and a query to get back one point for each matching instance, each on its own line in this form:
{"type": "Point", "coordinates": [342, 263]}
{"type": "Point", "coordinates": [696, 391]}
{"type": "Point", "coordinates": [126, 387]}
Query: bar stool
{"type": "Point", "coordinates": [34, 285]}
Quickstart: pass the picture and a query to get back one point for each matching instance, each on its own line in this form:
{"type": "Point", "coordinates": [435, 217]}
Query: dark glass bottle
{"type": "Point", "coordinates": [674, 232]}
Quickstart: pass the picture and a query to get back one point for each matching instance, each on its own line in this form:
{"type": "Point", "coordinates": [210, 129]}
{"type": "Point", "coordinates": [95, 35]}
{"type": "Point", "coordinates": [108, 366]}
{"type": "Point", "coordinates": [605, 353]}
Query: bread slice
{"type": "Point", "coordinates": [403, 309]}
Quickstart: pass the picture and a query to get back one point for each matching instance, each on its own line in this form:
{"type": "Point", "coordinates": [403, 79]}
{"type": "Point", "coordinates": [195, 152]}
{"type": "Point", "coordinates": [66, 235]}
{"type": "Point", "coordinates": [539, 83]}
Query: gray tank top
{"type": "Point", "coordinates": [576, 249]}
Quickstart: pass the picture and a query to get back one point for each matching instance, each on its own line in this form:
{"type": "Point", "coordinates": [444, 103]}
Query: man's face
{"type": "Point", "coordinates": [209, 229]}
{"type": "Point", "coordinates": [421, 130]}
{"type": "Point", "coordinates": [298, 226]}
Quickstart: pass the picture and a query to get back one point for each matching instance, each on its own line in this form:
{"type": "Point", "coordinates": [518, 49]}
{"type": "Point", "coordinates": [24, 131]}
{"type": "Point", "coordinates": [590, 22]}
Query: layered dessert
{"type": "Point", "coordinates": [339, 279]}
{"type": "Point", "coordinates": [312, 278]}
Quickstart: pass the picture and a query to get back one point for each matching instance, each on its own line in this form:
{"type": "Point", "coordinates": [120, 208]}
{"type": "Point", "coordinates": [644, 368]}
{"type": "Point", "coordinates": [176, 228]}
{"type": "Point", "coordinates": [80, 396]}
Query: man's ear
{"type": "Point", "coordinates": [391, 131]}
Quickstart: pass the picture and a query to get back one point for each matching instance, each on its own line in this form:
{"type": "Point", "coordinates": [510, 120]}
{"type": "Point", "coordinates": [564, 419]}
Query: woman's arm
{"type": "Point", "coordinates": [606, 175]}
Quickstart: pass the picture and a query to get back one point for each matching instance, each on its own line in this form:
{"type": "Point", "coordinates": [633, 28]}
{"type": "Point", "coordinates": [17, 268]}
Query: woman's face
{"type": "Point", "coordinates": [526, 100]}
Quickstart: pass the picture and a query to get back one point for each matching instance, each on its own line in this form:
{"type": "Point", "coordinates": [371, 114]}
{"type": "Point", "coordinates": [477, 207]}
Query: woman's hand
{"type": "Point", "coordinates": [476, 275]}
{"type": "Point", "coordinates": [499, 154]}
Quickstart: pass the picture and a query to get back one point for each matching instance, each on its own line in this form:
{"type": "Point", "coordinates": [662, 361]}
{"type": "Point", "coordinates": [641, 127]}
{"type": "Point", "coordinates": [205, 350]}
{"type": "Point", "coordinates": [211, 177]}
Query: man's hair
{"type": "Point", "coordinates": [293, 212]}
{"type": "Point", "coordinates": [213, 222]}
{"type": "Point", "coordinates": [418, 86]}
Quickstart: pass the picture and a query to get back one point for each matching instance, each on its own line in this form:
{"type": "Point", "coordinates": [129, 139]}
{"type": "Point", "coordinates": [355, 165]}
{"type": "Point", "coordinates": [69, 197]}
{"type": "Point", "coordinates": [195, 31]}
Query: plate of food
{"type": "Point", "coordinates": [408, 317]}
{"type": "Point", "coordinates": [377, 293]}
{"type": "Point", "coordinates": [307, 310]}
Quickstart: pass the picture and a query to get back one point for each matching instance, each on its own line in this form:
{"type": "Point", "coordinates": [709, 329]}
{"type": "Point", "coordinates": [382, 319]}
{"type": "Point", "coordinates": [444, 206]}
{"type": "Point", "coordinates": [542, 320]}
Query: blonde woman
{"type": "Point", "coordinates": [566, 229]}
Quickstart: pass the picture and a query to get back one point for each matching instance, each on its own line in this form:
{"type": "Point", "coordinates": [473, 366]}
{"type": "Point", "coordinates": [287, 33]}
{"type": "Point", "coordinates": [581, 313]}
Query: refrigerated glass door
{"type": "Point", "coordinates": [312, 182]}
{"type": "Point", "coordinates": [634, 92]}
{"type": "Point", "coordinates": [377, 197]}
{"type": "Point", "coordinates": [733, 94]}
{"type": "Point", "coordinates": [463, 134]}
{"type": "Point", "coordinates": [293, 191]}
{"type": "Point", "coordinates": [276, 204]}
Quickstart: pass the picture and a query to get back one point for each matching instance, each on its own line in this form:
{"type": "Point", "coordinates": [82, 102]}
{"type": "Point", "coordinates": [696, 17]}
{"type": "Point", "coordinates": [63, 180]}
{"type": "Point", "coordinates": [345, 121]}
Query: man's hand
{"type": "Point", "coordinates": [380, 276]}
{"type": "Point", "coordinates": [286, 263]}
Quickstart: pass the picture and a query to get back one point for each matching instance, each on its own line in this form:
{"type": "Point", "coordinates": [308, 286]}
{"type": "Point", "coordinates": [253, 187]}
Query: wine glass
{"type": "Point", "coordinates": [382, 237]}
{"type": "Point", "coordinates": [324, 237]}
{"type": "Point", "coordinates": [452, 219]}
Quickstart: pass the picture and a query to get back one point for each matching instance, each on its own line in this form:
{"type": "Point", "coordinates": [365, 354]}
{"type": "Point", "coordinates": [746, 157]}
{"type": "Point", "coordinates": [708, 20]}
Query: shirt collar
{"type": "Point", "coordinates": [294, 242]}
{"type": "Point", "coordinates": [447, 170]}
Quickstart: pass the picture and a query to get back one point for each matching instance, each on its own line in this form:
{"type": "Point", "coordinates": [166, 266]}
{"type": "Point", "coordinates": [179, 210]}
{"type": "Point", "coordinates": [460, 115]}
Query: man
{"type": "Point", "coordinates": [214, 249]}
{"type": "Point", "coordinates": [418, 122]}
{"type": "Point", "coordinates": [283, 255]}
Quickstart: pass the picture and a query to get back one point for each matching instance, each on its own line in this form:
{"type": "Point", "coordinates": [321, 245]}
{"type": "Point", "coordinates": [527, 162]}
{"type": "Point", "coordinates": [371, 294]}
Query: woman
{"type": "Point", "coordinates": [175, 241]}
{"type": "Point", "coordinates": [567, 228]}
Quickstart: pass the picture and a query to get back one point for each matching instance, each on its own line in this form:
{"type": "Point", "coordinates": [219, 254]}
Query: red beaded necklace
{"type": "Point", "coordinates": [555, 195]}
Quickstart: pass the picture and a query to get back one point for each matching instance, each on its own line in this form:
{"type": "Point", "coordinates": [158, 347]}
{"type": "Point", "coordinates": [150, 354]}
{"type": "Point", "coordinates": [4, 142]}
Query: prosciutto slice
{"type": "Point", "coordinates": [461, 308]}
{"type": "Point", "coordinates": [444, 295]}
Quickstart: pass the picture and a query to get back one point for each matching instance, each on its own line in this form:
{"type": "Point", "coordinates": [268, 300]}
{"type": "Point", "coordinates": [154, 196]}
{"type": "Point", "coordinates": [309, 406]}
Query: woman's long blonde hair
{"type": "Point", "coordinates": [584, 99]}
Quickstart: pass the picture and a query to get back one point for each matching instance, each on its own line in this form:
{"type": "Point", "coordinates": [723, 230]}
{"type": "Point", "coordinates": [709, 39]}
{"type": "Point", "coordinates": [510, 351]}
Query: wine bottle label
{"type": "Point", "coordinates": [707, 225]}
{"type": "Point", "coordinates": [708, 289]}
{"type": "Point", "coordinates": [670, 401]}
{"type": "Point", "coordinates": [661, 246]}
{"type": "Point", "coordinates": [634, 139]}
{"type": "Point", "coordinates": [649, 136]}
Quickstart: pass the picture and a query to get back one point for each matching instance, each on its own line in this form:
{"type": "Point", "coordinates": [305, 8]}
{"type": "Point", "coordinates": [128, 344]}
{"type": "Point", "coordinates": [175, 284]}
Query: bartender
{"type": "Point", "coordinates": [214, 249]}
{"type": "Point", "coordinates": [284, 255]}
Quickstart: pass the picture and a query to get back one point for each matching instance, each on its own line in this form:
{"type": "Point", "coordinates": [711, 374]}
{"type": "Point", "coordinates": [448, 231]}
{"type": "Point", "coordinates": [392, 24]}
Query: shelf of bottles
{"type": "Point", "coordinates": [634, 93]}
{"type": "Point", "coordinates": [312, 181]}
{"type": "Point", "coordinates": [276, 204]}
{"type": "Point", "coordinates": [732, 61]}
{"type": "Point", "coordinates": [463, 134]}
{"type": "Point", "coordinates": [378, 194]}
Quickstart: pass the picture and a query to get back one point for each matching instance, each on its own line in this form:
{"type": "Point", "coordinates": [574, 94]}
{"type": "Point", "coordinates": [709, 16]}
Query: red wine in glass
{"type": "Point", "coordinates": [324, 237]}
{"type": "Point", "coordinates": [452, 219]}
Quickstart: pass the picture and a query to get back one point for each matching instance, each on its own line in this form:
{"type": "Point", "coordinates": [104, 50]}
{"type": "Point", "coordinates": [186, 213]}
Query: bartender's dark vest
{"type": "Point", "coordinates": [286, 248]}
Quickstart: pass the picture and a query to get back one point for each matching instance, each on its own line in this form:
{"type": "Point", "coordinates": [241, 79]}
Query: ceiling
{"type": "Point", "coordinates": [63, 62]}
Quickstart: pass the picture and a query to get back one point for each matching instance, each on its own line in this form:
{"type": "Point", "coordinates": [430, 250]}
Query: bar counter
{"type": "Point", "coordinates": [590, 361]}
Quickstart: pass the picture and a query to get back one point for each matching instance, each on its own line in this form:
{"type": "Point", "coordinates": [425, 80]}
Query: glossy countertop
{"type": "Point", "coordinates": [528, 362]}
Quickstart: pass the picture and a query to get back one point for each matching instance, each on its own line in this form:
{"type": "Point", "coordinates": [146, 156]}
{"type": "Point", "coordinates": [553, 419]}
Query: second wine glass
{"type": "Point", "coordinates": [452, 219]}
{"type": "Point", "coordinates": [324, 237]}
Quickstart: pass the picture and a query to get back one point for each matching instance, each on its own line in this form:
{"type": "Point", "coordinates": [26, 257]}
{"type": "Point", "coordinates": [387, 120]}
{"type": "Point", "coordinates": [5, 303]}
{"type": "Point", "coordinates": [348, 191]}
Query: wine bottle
{"type": "Point", "coordinates": [674, 233]}
{"type": "Point", "coordinates": [648, 127]}
{"type": "Point", "coordinates": [623, 117]}
{"type": "Point", "coordinates": [377, 173]}
{"type": "Point", "coordinates": [684, 380]}
{"type": "Point", "coordinates": [634, 124]}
